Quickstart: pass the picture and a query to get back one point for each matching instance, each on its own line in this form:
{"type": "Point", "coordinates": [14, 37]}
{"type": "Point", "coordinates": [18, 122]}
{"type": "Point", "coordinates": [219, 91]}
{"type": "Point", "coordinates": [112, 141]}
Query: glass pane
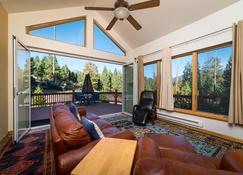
{"type": "Point", "coordinates": [150, 77]}
{"type": "Point", "coordinates": [104, 43]}
{"type": "Point", "coordinates": [22, 89]}
{"type": "Point", "coordinates": [128, 88]}
{"type": "Point", "coordinates": [214, 76]}
{"type": "Point", "coordinates": [182, 82]}
{"type": "Point", "coordinates": [47, 32]}
{"type": "Point", "coordinates": [72, 32]}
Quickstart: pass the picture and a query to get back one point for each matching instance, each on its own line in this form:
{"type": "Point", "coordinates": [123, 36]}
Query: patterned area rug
{"type": "Point", "coordinates": [204, 144]}
{"type": "Point", "coordinates": [32, 155]}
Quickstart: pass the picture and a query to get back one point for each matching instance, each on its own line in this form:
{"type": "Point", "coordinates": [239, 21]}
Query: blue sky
{"type": "Point", "coordinates": [149, 70]}
{"type": "Point", "coordinates": [76, 64]}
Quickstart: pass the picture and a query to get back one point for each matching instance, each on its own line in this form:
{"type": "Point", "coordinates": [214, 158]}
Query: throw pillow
{"type": "Point", "coordinates": [72, 107]}
{"type": "Point", "coordinates": [90, 128]}
{"type": "Point", "coordinates": [99, 132]}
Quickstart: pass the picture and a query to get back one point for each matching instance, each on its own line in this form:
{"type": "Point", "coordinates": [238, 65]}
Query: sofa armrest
{"type": "Point", "coordinates": [124, 135]}
{"type": "Point", "coordinates": [146, 148]}
{"type": "Point", "coordinates": [82, 111]}
{"type": "Point", "coordinates": [232, 161]}
{"type": "Point", "coordinates": [67, 161]}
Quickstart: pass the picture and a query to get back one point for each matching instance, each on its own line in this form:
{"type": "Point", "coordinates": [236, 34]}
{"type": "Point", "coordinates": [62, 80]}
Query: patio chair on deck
{"type": "Point", "coordinates": [79, 96]}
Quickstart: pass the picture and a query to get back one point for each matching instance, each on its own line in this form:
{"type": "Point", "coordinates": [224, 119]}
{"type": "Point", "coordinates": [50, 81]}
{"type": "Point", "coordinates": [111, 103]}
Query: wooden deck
{"type": "Point", "coordinates": [40, 115]}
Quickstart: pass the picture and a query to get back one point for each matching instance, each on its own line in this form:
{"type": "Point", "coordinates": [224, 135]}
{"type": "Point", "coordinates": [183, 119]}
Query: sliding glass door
{"type": "Point", "coordinates": [128, 88]}
{"type": "Point", "coordinates": [21, 90]}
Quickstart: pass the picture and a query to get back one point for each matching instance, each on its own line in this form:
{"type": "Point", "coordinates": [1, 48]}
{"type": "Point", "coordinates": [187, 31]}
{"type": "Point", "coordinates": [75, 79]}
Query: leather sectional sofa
{"type": "Point", "coordinates": [170, 155]}
{"type": "Point", "coordinates": [70, 140]}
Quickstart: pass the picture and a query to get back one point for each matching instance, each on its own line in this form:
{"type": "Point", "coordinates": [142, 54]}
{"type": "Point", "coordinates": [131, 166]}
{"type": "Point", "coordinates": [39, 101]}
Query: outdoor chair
{"type": "Point", "coordinates": [146, 109]}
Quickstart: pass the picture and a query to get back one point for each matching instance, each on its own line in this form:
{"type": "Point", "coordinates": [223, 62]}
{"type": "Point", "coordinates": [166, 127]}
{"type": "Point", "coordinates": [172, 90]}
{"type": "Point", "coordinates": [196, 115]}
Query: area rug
{"type": "Point", "coordinates": [32, 155]}
{"type": "Point", "coordinates": [204, 144]}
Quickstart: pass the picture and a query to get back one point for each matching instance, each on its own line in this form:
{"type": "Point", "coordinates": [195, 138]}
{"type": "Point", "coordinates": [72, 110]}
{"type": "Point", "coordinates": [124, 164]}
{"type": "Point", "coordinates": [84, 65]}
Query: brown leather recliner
{"type": "Point", "coordinates": [71, 142]}
{"type": "Point", "coordinates": [154, 160]}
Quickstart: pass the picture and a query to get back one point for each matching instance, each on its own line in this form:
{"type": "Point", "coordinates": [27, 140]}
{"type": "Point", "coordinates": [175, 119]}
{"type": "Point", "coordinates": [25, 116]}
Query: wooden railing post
{"type": "Point", "coordinates": [73, 96]}
{"type": "Point", "coordinates": [116, 96]}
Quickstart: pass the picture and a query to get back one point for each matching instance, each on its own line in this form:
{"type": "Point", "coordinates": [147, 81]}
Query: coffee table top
{"type": "Point", "coordinates": [110, 156]}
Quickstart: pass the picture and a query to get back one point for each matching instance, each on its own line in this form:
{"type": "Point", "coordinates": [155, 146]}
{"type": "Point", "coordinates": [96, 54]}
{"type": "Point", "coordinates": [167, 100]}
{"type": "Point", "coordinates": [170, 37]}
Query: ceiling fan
{"type": "Point", "coordinates": [122, 10]}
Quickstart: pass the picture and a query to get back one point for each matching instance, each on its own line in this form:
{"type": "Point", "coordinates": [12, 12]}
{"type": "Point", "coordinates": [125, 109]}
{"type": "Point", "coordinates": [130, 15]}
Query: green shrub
{"type": "Point", "coordinates": [38, 100]}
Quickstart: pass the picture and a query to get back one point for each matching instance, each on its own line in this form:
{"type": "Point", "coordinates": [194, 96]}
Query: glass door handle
{"type": "Point", "coordinates": [22, 93]}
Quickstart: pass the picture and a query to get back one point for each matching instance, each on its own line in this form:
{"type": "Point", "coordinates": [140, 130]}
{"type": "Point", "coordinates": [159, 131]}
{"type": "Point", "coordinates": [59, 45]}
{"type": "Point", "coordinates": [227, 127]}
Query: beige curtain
{"type": "Point", "coordinates": [140, 75]}
{"type": "Point", "coordinates": [236, 89]}
{"type": "Point", "coordinates": [166, 89]}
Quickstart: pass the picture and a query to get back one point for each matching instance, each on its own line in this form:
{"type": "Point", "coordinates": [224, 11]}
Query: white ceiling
{"type": "Point", "coordinates": [156, 22]}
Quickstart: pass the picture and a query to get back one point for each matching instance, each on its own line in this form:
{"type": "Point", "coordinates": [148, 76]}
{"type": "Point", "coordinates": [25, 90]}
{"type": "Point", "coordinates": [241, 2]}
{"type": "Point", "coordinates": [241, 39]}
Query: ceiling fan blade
{"type": "Point", "coordinates": [144, 5]}
{"type": "Point", "coordinates": [133, 21]}
{"type": "Point", "coordinates": [99, 8]}
{"type": "Point", "coordinates": [112, 23]}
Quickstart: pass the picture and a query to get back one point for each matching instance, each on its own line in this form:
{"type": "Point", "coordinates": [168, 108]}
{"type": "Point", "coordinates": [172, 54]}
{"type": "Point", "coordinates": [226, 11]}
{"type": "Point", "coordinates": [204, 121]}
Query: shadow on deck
{"type": "Point", "coordinates": [40, 115]}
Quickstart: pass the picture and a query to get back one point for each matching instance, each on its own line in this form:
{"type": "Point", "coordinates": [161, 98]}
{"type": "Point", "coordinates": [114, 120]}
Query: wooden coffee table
{"type": "Point", "coordinates": [109, 157]}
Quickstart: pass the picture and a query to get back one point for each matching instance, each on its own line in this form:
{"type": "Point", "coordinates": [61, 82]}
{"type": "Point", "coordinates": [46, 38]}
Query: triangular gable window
{"type": "Point", "coordinates": [104, 42]}
{"type": "Point", "coordinates": [69, 31]}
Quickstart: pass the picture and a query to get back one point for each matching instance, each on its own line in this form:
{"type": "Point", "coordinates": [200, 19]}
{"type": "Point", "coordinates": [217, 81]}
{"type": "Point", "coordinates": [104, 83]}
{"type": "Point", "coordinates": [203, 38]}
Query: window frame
{"type": "Point", "coordinates": [109, 36]}
{"type": "Point", "coordinates": [54, 23]}
{"type": "Point", "coordinates": [194, 110]}
{"type": "Point", "coordinates": [158, 81]}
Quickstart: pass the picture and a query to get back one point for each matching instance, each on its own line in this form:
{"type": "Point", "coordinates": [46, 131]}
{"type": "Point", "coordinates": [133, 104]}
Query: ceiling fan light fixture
{"type": "Point", "coordinates": [121, 13]}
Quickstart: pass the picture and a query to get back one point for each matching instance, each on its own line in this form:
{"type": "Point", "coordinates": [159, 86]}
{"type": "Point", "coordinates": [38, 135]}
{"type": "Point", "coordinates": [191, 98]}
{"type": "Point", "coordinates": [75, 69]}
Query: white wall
{"type": "Point", "coordinates": [18, 22]}
{"type": "Point", "coordinates": [3, 72]}
{"type": "Point", "coordinates": [215, 22]}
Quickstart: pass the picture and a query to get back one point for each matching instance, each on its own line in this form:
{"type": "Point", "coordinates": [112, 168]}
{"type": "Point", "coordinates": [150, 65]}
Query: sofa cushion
{"type": "Point", "coordinates": [90, 128]}
{"type": "Point", "coordinates": [70, 129]}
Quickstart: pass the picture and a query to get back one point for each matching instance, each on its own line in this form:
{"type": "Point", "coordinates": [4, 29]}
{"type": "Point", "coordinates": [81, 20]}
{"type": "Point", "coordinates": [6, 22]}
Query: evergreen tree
{"type": "Point", "coordinates": [186, 82]}
{"type": "Point", "coordinates": [105, 79]}
{"type": "Point", "coordinates": [92, 69]}
{"type": "Point", "coordinates": [99, 85]}
{"type": "Point", "coordinates": [212, 77]}
{"type": "Point", "coordinates": [227, 77]}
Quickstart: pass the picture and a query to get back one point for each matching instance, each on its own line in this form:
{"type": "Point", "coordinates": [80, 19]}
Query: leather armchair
{"type": "Point", "coordinates": [153, 160]}
{"type": "Point", "coordinates": [145, 109]}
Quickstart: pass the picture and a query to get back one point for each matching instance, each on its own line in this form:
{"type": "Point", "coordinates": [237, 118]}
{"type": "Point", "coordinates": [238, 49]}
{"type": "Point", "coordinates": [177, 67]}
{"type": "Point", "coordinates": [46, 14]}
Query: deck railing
{"type": "Point", "coordinates": [48, 99]}
{"type": "Point", "coordinates": [212, 103]}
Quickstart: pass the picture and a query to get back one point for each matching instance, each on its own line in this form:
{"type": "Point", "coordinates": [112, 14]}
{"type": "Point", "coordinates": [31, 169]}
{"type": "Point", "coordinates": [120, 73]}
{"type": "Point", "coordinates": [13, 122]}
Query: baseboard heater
{"type": "Point", "coordinates": [174, 118]}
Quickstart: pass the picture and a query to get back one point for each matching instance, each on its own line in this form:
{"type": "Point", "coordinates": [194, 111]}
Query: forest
{"type": "Point", "coordinates": [48, 75]}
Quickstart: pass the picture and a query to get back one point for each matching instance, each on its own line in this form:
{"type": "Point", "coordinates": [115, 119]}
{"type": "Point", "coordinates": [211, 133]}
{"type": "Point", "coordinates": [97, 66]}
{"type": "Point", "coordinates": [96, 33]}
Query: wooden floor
{"type": "Point", "coordinates": [40, 115]}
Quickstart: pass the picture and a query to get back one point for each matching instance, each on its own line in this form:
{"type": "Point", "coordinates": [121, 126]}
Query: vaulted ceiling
{"type": "Point", "coordinates": [156, 22]}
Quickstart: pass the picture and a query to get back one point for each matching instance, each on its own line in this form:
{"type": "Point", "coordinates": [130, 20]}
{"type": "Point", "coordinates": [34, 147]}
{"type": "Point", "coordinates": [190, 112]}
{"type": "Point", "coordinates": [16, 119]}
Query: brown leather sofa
{"type": "Point", "coordinates": [170, 155]}
{"type": "Point", "coordinates": [70, 140]}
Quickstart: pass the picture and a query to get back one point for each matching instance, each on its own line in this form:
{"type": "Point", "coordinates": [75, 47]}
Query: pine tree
{"type": "Point", "coordinates": [227, 77]}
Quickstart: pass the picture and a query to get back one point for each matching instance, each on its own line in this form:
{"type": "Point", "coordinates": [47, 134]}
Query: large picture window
{"type": "Point", "coordinates": [182, 81]}
{"type": "Point", "coordinates": [201, 81]}
{"type": "Point", "coordinates": [70, 31]}
{"type": "Point", "coordinates": [104, 42]}
{"type": "Point", "coordinates": [150, 77]}
{"type": "Point", "coordinates": [214, 76]}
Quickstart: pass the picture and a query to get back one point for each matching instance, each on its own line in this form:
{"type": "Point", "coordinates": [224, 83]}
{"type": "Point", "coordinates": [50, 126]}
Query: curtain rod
{"type": "Point", "coordinates": [194, 39]}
